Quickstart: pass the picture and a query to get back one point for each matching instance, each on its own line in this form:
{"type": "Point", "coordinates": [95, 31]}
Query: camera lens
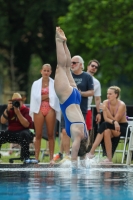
{"type": "Point", "coordinates": [16, 104]}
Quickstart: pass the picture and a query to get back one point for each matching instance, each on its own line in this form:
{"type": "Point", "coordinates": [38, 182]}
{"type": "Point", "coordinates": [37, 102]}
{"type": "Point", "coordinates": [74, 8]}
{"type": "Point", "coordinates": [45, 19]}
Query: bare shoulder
{"type": "Point", "coordinates": [122, 103]}
{"type": "Point", "coordinates": [105, 102]}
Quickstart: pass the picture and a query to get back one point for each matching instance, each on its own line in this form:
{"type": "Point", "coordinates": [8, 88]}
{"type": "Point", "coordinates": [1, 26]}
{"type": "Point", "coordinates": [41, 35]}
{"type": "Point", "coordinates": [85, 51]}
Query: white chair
{"type": "Point", "coordinates": [126, 138]}
{"type": "Point", "coordinates": [130, 146]}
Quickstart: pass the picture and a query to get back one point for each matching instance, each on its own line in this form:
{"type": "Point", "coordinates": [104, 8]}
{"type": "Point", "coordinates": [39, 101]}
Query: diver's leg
{"type": "Point", "coordinates": [68, 65]}
{"type": "Point", "coordinates": [62, 85]}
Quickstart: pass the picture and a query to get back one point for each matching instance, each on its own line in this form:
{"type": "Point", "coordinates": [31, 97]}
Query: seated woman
{"type": "Point", "coordinates": [114, 112]}
{"type": "Point", "coordinates": [69, 98]}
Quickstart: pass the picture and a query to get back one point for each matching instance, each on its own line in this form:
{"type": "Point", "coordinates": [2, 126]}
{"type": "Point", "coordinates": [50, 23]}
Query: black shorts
{"type": "Point", "coordinates": [106, 125]}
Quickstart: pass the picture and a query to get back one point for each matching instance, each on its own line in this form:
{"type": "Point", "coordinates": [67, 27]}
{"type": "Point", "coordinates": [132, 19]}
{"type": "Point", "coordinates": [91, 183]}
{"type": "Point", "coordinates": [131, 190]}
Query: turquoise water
{"type": "Point", "coordinates": [58, 183]}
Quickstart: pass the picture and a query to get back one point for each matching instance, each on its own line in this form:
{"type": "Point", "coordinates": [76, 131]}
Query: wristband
{"type": "Point", "coordinates": [6, 117]}
{"type": "Point", "coordinates": [99, 113]}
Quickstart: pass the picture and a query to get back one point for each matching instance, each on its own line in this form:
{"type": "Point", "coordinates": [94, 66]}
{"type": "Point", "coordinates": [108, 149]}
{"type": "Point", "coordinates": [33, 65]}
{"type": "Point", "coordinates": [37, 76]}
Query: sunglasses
{"type": "Point", "coordinates": [74, 63]}
{"type": "Point", "coordinates": [96, 67]}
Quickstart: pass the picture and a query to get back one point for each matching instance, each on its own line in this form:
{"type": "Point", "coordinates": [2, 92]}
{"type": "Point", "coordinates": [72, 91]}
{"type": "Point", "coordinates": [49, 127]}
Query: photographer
{"type": "Point", "coordinates": [16, 115]}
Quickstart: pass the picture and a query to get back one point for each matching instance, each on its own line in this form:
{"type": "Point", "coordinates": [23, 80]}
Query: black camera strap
{"type": "Point", "coordinates": [5, 116]}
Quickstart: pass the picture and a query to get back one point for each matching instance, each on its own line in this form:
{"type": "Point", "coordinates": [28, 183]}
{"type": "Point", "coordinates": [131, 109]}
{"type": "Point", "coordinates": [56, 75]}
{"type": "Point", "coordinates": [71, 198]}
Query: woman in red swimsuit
{"type": "Point", "coordinates": [115, 124]}
{"type": "Point", "coordinates": [43, 106]}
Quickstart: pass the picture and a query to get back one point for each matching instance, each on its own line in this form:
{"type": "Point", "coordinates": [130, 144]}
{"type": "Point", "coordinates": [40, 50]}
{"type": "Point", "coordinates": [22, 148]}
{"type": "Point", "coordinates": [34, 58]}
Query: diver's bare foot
{"type": "Point", "coordinates": [60, 35]}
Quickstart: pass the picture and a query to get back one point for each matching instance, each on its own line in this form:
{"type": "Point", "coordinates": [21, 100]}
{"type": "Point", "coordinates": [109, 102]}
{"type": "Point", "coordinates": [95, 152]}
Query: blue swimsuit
{"type": "Point", "coordinates": [74, 98]}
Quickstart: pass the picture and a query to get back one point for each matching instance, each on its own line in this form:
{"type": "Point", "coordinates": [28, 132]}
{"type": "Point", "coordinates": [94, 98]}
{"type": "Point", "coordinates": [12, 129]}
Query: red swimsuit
{"type": "Point", "coordinates": [45, 107]}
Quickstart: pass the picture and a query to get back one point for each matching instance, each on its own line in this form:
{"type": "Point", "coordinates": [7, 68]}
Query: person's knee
{"type": "Point", "coordinates": [50, 136]}
{"type": "Point", "coordinates": [64, 136]}
{"type": "Point", "coordinates": [38, 135]}
{"type": "Point", "coordinates": [64, 132]}
{"type": "Point", "coordinates": [25, 134]}
{"type": "Point", "coordinates": [107, 133]}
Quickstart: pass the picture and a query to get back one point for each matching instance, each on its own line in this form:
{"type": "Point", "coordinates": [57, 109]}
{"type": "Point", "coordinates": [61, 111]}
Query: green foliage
{"type": "Point", "coordinates": [102, 30]}
{"type": "Point", "coordinates": [28, 28]}
{"type": "Point", "coordinates": [34, 72]}
{"type": "Point", "coordinates": [95, 29]}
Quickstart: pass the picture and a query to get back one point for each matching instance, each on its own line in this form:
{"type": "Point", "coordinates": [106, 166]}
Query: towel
{"type": "Point", "coordinates": [35, 98]}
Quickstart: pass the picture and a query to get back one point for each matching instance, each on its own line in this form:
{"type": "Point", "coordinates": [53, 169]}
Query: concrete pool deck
{"type": "Point", "coordinates": [46, 165]}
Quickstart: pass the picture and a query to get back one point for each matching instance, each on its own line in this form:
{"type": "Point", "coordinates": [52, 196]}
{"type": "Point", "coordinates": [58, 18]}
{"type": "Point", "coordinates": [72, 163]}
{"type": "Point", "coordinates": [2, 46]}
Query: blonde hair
{"type": "Point", "coordinates": [47, 65]}
{"type": "Point", "coordinates": [116, 89]}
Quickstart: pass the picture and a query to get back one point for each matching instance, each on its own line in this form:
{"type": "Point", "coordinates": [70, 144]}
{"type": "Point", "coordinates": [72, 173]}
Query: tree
{"type": "Point", "coordinates": [102, 30]}
{"type": "Point", "coordinates": [28, 28]}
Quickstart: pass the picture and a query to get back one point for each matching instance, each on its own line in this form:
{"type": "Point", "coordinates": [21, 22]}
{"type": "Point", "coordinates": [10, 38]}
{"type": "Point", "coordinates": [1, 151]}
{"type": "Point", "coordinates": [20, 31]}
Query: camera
{"type": "Point", "coordinates": [16, 104]}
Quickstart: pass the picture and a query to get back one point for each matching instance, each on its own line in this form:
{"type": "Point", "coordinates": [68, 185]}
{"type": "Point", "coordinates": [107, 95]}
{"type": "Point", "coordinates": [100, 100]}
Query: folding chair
{"type": "Point", "coordinates": [127, 137]}
{"type": "Point", "coordinates": [130, 147]}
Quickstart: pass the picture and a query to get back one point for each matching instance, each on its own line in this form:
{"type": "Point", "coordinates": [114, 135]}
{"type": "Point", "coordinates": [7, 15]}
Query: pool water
{"type": "Point", "coordinates": [95, 183]}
